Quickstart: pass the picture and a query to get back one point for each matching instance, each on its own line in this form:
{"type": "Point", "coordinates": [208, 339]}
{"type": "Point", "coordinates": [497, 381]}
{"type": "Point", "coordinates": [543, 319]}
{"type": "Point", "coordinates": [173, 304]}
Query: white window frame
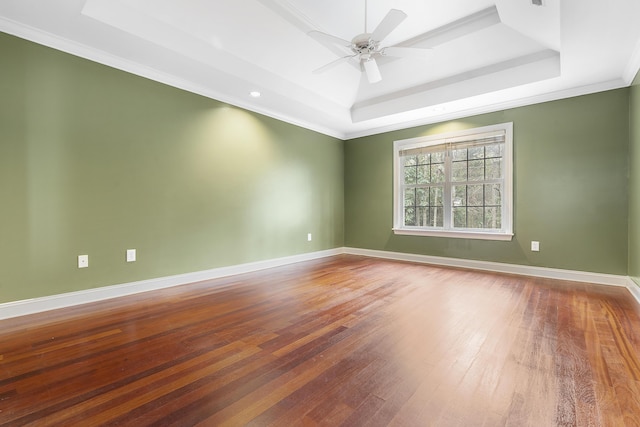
{"type": "Point", "coordinates": [504, 234]}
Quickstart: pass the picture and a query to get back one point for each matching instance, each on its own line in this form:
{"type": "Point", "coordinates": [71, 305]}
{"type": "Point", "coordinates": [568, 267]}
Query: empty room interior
{"type": "Point", "coordinates": [293, 212]}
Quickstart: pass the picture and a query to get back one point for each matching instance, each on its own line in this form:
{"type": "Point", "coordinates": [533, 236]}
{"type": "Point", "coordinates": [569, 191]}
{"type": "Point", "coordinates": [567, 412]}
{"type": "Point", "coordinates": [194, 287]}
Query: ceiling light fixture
{"type": "Point", "coordinates": [365, 48]}
{"type": "Point", "coordinates": [372, 70]}
{"type": "Point", "coordinates": [255, 94]}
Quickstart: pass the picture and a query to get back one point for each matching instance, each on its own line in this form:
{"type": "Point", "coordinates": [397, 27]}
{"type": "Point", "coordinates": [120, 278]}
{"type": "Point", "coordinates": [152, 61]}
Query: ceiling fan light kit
{"type": "Point", "coordinates": [372, 70]}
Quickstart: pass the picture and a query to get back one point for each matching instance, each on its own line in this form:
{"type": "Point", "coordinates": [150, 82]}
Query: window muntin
{"type": "Point", "coordinates": [457, 184]}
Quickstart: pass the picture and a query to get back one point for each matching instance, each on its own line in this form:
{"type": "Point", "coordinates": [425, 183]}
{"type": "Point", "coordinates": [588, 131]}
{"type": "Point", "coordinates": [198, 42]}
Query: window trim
{"type": "Point", "coordinates": [505, 234]}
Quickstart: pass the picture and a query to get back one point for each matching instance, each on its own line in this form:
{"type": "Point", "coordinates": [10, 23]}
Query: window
{"type": "Point", "coordinates": [457, 184]}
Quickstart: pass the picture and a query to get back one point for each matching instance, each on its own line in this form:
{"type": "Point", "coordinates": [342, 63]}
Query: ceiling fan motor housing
{"type": "Point", "coordinates": [363, 44]}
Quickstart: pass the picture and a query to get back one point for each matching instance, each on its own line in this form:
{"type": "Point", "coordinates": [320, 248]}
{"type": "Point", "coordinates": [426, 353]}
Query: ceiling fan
{"type": "Point", "coordinates": [366, 47]}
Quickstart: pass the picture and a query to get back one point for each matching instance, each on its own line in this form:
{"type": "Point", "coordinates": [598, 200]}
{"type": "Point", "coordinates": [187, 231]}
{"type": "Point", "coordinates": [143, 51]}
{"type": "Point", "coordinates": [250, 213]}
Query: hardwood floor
{"type": "Point", "coordinates": [342, 341]}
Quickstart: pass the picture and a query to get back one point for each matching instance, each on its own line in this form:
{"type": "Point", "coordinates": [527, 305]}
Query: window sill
{"type": "Point", "coordinates": [479, 235]}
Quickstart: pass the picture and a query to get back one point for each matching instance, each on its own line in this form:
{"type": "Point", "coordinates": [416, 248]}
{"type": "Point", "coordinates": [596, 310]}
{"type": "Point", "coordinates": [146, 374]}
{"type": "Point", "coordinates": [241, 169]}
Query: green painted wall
{"type": "Point", "coordinates": [95, 161]}
{"type": "Point", "coordinates": [634, 181]}
{"type": "Point", "coordinates": [570, 165]}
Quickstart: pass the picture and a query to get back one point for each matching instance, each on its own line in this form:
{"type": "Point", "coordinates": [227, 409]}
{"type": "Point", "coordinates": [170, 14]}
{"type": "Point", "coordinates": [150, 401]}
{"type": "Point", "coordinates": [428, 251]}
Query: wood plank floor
{"type": "Point", "coordinates": [346, 340]}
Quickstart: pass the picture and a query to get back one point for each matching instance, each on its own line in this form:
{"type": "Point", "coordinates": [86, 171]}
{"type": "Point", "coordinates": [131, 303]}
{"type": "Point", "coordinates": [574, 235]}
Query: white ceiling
{"type": "Point", "coordinates": [486, 54]}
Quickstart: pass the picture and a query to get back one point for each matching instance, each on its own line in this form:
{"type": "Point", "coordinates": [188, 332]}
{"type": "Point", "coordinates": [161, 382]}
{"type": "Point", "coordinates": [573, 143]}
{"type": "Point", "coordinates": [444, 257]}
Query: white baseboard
{"type": "Point", "coordinates": [634, 288]}
{"type": "Point", "coordinates": [523, 270]}
{"type": "Point", "coordinates": [37, 305]}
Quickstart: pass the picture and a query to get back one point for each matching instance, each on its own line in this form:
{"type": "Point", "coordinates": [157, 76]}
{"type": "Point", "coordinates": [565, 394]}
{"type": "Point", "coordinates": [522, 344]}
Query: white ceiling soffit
{"type": "Point", "coordinates": [485, 55]}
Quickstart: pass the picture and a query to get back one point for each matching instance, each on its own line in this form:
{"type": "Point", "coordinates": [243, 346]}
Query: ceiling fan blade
{"type": "Point", "coordinates": [372, 70]}
{"type": "Point", "coordinates": [388, 24]}
{"type": "Point", "coordinates": [404, 52]}
{"type": "Point", "coordinates": [332, 64]}
{"type": "Point", "coordinates": [325, 39]}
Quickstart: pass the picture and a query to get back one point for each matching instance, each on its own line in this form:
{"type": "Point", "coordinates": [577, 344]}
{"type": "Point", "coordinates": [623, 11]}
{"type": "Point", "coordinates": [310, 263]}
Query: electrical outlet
{"type": "Point", "coordinates": [131, 255]}
{"type": "Point", "coordinates": [535, 246]}
{"type": "Point", "coordinates": [308, 237]}
{"type": "Point", "coordinates": [83, 261]}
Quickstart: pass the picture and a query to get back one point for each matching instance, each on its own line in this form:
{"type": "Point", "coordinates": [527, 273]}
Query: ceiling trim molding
{"type": "Point", "coordinates": [290, 13]}
{"type": "Point", "coordinates": [633, 66]}
{"type": "Point", "coordinates": [462, 27]}
{"type": "Point", "coordinates": [74, 48]}
{"type": "Point", "coordinates": [491, 108]}
{"type": "Point", "coordinates": [238, 74]}
{"type": "Point", "coordinates": [534, 67]}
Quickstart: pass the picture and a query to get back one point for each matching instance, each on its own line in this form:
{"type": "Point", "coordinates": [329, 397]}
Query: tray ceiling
{"type": "Point", "coordinates": [485, 55]}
